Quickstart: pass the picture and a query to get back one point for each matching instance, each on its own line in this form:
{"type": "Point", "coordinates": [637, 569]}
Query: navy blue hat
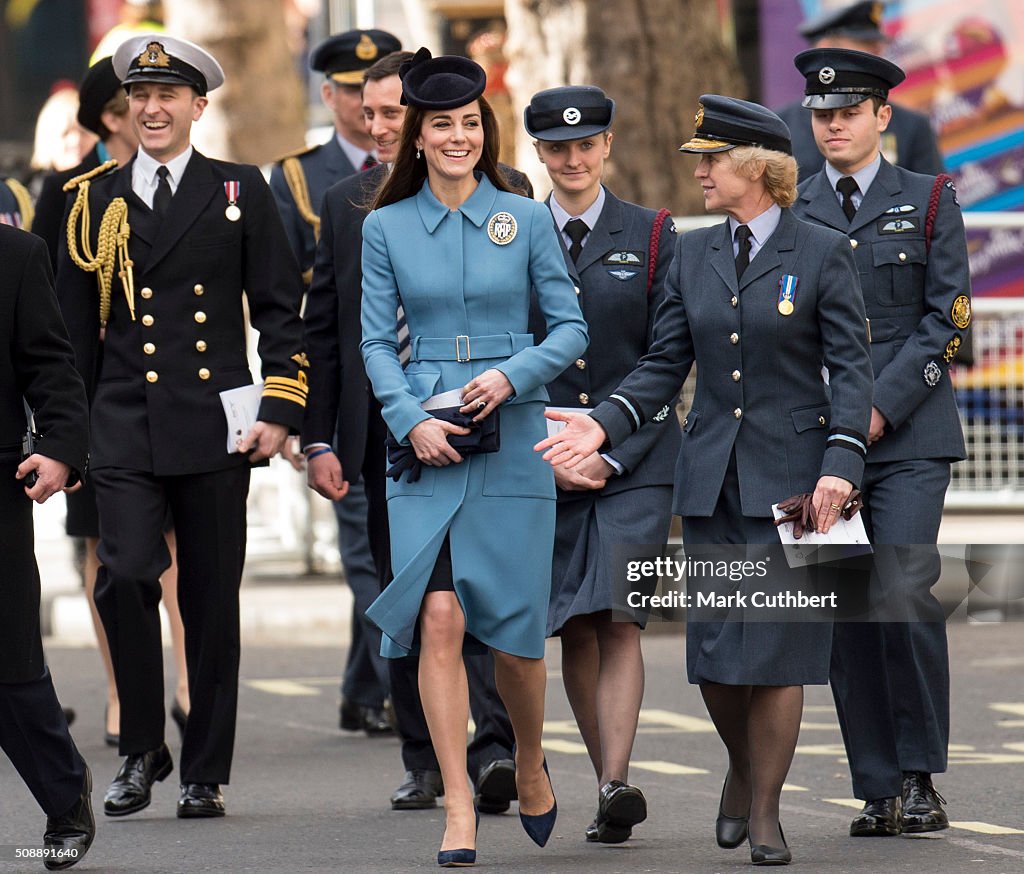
{"type": "Point", "coordinates": [344, 56]}
{"type": "Point", "coordinates": [724, 123]}
{"type": "Point", "coordinates": [158, 57]}
{"type": "Point", "coordinates": [441, 83]}
{"type": "Point", "coordinates": [843, 77]}
{"type": "Point", "coordinates": [568, 113]}
{"type": "Point", "coordinates": [100, 84]}
{"type": "Point", "coordinates": [856, 21]}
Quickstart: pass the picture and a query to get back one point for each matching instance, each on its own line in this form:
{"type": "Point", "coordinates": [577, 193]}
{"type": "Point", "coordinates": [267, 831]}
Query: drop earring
{"type": "Point", "coordinates": [418, 154]}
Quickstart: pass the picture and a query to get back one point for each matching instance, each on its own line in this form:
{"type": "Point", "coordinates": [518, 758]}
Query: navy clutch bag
{"type": "Point", "coordinates": [483, 436]}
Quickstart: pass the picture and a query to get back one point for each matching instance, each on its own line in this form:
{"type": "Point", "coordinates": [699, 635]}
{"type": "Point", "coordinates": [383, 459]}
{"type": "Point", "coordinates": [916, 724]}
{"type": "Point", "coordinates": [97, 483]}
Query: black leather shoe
{"type": "Point", "coordinates": [879, 818]}
{"type": "Point", "coordinates": [130, 790]}
{"type": "Point", "coordinates": [591, 832]}
{"type": "Point", "coordinates": [200, 800]}
{"type": "Point", "coordinates": [922, 805]}
{"type": "Point", "coordinates": [180, 717]}
{"type": "Point", "coordinates": [619, 808]}
{"type": "Point", "coordinates": [730, 831]}
{"type": "Point", "coordinates": [420, 790]}
{"type": "Point", "coordinates": [69, 836]}
{"type": "Point", "coordinates": [376, 722]}
{"type": "Point", "coordinates": [496, 786]}
{"type": "Point", "coordinates": [350, 716]}
{"type": "Point", "coordinates": [762, 854]}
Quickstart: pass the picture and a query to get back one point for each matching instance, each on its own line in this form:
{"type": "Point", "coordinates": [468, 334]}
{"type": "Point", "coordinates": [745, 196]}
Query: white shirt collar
{"type": "Point", "coordinates": [761, 227]}
{"type": "Point", "coordinates": [147, 165]}
{"type": "Point", "coordinates": [355, 154]}
{"type": "Point", "coordinates": [864, 176]}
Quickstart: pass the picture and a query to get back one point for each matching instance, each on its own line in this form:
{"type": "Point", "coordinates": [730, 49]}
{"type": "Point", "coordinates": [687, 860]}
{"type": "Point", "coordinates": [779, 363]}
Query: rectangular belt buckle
{"type": "Point", "coordinates": [458, 348]}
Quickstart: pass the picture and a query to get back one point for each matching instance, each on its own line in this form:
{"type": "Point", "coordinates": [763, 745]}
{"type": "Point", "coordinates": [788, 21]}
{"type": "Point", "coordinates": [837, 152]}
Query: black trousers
{"type": "Point", "coordinates": [493, 738]}
{"type": "Point", "coordinates": [890, 679]}
{"type": "Point", "coordinates": [209, 518]}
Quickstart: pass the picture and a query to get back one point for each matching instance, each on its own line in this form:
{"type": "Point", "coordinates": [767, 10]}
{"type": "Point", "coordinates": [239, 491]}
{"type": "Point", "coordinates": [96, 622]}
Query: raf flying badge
{"type": "Point", "coordinates": [622, 275]}
{"type": "Point", "coordinates": [961, 312]}
{"type": "Point", "coordinates": [952, 347]}
{"type": "Point", "coordinates": [899, 225]}
{"type": "Point", "coordinates": [787, 293]}
{"type": "Point", "coordinates": [899, 210]}
{"type": "Point", "coordinates": [502, 228]}
{"type": "Point", "coordinates": [932, 373]}
{"type": "Point", "coordinates": [232, 189]}
{"type": "Point", "coordinates": [627, 259]}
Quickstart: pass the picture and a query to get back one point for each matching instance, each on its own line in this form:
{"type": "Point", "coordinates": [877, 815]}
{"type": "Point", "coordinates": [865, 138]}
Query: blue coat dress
{"type": "Point", "coordinates": [455, 280]}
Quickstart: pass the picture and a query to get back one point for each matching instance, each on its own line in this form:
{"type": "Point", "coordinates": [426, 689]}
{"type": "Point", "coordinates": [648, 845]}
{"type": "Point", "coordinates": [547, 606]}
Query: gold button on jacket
{"type": "Point", "coordinates": [734, 338]}
{"type": "Point", "coordinates": [149, 348]}
{"type": "Point", "coordinates": [152, 376]}
{"type": "Point", "coordinates": [200, 317]}
{"type": "Point", "coordinates": [147, 293]}
{"type": "Point", "coordinates": [200, 345]}
{"type": "Point", "coordinates": [198, 289]}
{"type": "Point", "coordinates": [584, 398]}
{"type": "Point", "coordinates": [204, 373]}
{"type": "Point", "coordinates": [147, 320]}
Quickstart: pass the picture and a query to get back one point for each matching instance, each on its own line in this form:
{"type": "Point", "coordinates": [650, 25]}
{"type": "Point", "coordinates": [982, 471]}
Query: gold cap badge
{"type": "Point", "coordinates": [154, 56]}
{"type": "Point", "coordinates": [366, 48]}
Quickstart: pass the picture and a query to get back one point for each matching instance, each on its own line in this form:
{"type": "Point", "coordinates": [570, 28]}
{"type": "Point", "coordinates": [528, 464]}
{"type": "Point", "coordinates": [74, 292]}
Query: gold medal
{"type": "Point", "coordinates": [786, 307]}
{"type": "Point", "coordinates": [232, 213]}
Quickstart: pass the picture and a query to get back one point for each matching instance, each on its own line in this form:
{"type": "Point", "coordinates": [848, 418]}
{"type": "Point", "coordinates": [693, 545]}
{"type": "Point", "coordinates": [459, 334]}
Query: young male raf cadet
{"type": "Point", "coordinates": [891, 678]}
{"type": "Point", "coordinates": [175, 239]}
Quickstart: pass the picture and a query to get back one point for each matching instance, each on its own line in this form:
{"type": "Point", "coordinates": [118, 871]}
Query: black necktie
{"type": "Point", "coordinates": [743, 236]}
{"type": "Point", "coordinates": [368, 162]}
{"type": "Point", "coordinates": [162, 197]}
{"type": "Point", "coordinates": [846, 186]}
{"type": "Point", "coordinates": [576, 229]}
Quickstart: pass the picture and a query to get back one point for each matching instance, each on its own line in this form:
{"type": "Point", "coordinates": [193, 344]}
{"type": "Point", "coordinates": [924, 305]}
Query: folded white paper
{"type": "Point", "coordinates": [844, 540]}
{"type": "Point", "coordinates": [554, 426]}
{"type": "Point", "coordinates": [241, 409]}
{"type": "Point", "coordinates": [451, 398]}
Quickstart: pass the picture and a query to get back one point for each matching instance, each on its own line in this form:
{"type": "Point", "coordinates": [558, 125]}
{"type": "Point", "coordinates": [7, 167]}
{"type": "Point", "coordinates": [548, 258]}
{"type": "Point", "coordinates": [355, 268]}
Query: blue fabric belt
{"type": "Point", "coordinates": [465, 348]}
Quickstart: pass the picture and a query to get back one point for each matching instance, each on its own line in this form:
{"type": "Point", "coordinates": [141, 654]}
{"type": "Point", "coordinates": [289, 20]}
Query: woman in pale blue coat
{"type": "Point", "coordinates": [471, 537]}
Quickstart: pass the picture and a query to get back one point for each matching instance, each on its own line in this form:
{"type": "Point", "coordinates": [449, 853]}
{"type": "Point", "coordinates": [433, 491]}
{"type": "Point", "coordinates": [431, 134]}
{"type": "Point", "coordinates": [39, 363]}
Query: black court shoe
{"type": "Point", "coordinates": [730, 831]}
{"type": "Point", "coordinates": [762, 854]}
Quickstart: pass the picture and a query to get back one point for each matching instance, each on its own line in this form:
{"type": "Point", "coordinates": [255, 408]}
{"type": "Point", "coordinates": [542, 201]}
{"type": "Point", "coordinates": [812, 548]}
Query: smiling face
{"type": "Point", "coordinates": [162, 117]}
{"type": "Point", "coordinates": [452, 141]}
{"type": "Point", "coordinates": [576, 166]}
{"type": "Point", "coordinates": [383, 113]}
{"type": "Point", "coordinates": [849, 137]}
{"type": "Point", "coordinates": [725, 190]}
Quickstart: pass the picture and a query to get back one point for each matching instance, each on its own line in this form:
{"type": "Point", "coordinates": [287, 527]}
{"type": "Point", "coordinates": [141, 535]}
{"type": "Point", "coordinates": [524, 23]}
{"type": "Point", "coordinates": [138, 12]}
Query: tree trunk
{"type": "Point", "coordinates": [260, 111]}
{"type": "Point", "coordinates": [653, 57]}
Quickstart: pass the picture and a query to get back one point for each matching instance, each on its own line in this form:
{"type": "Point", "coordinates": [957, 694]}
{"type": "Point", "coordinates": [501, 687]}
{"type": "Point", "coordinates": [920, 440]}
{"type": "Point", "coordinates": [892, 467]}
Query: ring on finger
{"type": "Point", "coordinates": [480, 405]}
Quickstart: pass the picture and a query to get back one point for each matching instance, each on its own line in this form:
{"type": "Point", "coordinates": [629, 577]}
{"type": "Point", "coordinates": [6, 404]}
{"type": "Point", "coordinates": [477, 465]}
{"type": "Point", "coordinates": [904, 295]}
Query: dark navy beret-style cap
{"type": "Point", "coordinates": [571, 112]}
{"type": "Point", "coordinates": [445, 82]}
{"type": "Point", "coordinates": [344, 57]}
{"type": "Point", "coordinates": [99, 85]}
{"type": "Point", "coordinates": [861, 20]}
{"type": "Point", "coordinates": [844, 77]}
{"type": "Point", "coordinates": [724, 123]}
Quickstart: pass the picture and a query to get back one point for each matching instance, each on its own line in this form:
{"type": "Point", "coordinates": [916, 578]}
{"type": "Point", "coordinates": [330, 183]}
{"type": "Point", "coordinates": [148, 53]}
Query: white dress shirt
{"type": "Point", "coordinates": [145, 180]}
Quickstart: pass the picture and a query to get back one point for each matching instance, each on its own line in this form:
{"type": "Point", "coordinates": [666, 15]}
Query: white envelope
{"type": "Point", "coordinates": [844, 540]}
{"type": "Point", "coordinates": [241, 409]}
{"type": "Point", "coordinates": [451, 398]}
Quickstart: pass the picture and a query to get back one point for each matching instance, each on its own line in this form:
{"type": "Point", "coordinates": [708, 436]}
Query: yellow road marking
{"type": "Point", "coordinates": [288, 688]}
{"type": "Point", "coordinates": [667, 768]}
{"type": "Point", "coordinates": [675, 720]}
{"type": "Point", "coordinates": [846, 802]}
{"type": "Point", "coordinates": [1015, 709]}
{"type": "Point", "coordinates": [565, 746]}
{"type": "Point", "coordinates": [986, 828]}
{"type": "Point", "coordinates": [792, 787]}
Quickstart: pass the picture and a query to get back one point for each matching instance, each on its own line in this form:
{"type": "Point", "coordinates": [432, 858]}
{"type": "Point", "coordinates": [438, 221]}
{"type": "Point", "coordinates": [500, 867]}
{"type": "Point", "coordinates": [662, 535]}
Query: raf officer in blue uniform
{"type": "Point", "coordinates": [909, 141]}
{"type": "Point", "coordinates": [891, 679]}
{"type": "Point", "coordinates": [300, 180]}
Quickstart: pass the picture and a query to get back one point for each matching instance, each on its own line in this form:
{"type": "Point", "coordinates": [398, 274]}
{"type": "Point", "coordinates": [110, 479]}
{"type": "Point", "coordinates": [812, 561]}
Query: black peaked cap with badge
{"type": "Point", "coordinates": [99, 85]}
{"type": "Point", "coordinates": [445, 82]}
{"type": "Point", "coordinates": [571, 112]}
{"type": "Point", "coordinates": [723, 123]}
{"type": "Point", "coordinates": [344, 57]}
{"type": "Point", "coordinates": [844, 77]}
{"type": "Point", "coordinates": [160, 58]}
{"type": "Point", "coordinates": [861, 20]}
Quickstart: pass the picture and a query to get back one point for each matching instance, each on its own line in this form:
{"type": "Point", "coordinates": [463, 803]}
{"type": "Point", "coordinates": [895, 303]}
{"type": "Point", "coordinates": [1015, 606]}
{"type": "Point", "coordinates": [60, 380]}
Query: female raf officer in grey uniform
{"type": "Point", "coordinates": [618, 255]}
{"type": "Point", "coordinates": [471, 539]}
{"type": "Point", "coordinates": [759, 303]}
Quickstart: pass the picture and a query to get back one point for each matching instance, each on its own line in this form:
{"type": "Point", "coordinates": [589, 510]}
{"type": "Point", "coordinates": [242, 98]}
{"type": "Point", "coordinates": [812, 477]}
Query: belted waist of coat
{"type": "Point", "coordinates": [466, 348]}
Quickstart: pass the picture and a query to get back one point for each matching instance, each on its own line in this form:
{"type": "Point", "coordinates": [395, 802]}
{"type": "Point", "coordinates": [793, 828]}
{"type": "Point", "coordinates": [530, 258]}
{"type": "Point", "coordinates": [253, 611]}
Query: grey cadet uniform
{"type": "Point", "coordinates": [891, 679]}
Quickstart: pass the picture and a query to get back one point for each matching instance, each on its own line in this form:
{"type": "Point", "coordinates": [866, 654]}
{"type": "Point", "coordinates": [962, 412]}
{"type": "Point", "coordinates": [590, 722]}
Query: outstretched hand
{"type": "Point", "coordinates": [581, 437]}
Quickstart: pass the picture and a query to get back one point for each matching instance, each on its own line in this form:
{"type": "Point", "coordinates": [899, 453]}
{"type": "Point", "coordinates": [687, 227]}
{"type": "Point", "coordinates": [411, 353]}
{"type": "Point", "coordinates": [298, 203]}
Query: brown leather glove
{"type": "Point", "coordinates": [800, 511]}
{"type": "Point", "coordinates": [854, 503]}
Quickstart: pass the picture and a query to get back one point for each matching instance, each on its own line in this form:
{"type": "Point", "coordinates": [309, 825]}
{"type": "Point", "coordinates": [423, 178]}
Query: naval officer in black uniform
{"type": "Point", "coordinates": [909, 141]}
{"type": "Point", "coordinates": [37, 368]}
{"type": "Point", "coordinates": [189, 236]}
{"type": "Point", "coordinates": [891, 678]}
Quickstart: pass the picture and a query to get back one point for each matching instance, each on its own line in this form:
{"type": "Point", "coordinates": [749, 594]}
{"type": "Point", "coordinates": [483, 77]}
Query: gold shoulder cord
{"type": "Point", "coordinates": [296, 180]}
{"type": "Point", "coordinates": [24, 200]}
{"type": "Point", "coordinates": [112, 242]}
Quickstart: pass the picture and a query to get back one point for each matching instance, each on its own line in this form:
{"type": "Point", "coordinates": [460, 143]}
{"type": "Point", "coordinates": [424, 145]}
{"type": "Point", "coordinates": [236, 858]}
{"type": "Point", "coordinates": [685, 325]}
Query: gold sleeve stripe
{"type": "Point", "coordinates": [284, 382]}
{"type": "Point", "coordinates": [272, 393]}
{"type": "Point", "coordinates": [285, 391]}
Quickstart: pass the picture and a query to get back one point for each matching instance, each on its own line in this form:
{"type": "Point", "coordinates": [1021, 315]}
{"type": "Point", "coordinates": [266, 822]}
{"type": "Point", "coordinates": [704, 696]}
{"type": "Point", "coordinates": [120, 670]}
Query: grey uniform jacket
{"type": "Point", "coordinates": [909, 137]}
{"type": "Point", "coordinates": [918, 303]}
{"type": "Point", "coordinates": [759, 388]}
{"type": "Point", "coordinates": [611, 274]}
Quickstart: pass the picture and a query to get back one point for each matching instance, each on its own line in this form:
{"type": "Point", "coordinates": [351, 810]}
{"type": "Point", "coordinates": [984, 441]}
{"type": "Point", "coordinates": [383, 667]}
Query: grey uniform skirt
{"type": "Point", "coordinates": [593, 533]}
{"type": "Point", "coordinates": [739, 651]}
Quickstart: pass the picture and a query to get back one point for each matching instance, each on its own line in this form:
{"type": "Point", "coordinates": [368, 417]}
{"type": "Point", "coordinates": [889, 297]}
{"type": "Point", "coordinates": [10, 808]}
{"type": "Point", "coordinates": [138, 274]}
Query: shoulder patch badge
{"type": "Point", "coordinates": [961, 312]}
{"type": "Point", "coordinates": [932, 373]}
{"type": "Point", "coordinates": [502, 228]}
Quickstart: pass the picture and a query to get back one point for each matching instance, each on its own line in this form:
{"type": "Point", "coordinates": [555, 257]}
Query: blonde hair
{"type": "Point", "coordinates": [780, 171]}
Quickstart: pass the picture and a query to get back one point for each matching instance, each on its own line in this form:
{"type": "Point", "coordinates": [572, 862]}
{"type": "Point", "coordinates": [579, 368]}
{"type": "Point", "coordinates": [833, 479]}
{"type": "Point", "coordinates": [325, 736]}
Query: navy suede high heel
{"type": "Point", "coordinates": [539, 827]}
{"type": "Point", "coordinates": [461, 858]}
